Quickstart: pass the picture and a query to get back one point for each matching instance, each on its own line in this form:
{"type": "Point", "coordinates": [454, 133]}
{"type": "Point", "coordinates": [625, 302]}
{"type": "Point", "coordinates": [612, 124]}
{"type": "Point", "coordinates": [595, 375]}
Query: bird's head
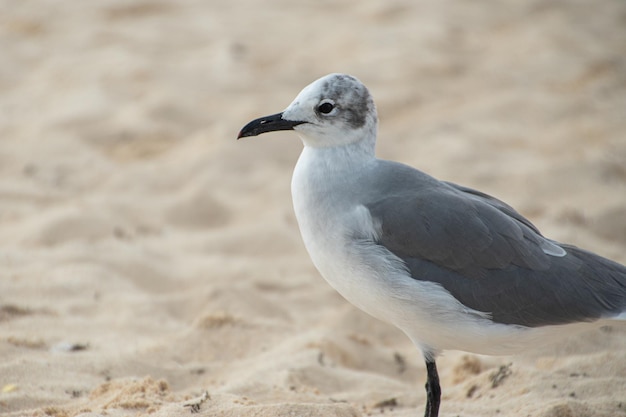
{"type": "Point", "coordinates": [332, 111]}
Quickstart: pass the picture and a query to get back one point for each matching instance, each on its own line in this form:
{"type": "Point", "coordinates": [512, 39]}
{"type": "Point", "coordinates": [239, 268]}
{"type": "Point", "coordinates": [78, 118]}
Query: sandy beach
{"type": "Point", "coordinates": [150, 264]}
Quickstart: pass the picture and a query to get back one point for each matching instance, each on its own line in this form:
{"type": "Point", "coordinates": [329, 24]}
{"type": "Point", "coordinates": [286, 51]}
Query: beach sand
{"type": "Point", "coordinates": [150, 264]}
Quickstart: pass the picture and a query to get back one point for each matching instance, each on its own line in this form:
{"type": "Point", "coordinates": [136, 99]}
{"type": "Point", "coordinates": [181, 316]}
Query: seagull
{"type": "Point", "coordinates": [452, 267]}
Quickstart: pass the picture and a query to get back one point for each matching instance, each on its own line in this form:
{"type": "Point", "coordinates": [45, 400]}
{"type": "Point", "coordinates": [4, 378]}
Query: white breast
{"type": "Point", "coordinates": [340, 236]}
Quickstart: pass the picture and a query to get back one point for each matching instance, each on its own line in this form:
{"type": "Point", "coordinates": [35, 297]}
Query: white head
{"type": "Point", "coordinates": [333, 111]}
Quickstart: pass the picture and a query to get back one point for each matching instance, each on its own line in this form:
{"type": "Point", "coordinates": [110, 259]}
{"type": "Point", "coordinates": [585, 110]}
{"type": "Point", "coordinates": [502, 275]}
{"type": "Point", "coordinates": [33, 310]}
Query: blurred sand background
{"type": "Point", "coordinates": [147, 257]}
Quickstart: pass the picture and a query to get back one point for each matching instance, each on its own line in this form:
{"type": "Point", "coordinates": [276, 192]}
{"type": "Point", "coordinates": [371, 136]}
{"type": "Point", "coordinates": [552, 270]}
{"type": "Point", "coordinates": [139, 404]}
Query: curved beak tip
{"type": "Point", "coordinates": [272, 123]}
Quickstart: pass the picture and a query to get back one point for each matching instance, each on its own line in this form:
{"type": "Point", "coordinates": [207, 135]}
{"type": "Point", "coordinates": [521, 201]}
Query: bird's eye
{"type": "Point", "coordinates": [325, 107]}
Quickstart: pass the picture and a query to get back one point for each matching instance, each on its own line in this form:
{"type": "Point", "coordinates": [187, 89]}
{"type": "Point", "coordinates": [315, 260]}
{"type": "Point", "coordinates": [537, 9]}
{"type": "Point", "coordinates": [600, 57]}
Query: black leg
{"type": "Point", "coordinates": [433, 390]}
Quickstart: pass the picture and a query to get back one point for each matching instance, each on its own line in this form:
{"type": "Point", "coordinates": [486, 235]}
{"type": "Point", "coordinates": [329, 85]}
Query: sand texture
{"type": "Point", "coordinates": [150, 264]}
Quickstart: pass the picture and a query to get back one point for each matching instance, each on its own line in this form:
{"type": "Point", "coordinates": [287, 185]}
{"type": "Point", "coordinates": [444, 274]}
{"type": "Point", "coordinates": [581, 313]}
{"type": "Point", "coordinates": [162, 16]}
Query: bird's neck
{"type": "Point", "coordinates": [322, 173]}
{"type": "Point", "coordinates": [336, 160]}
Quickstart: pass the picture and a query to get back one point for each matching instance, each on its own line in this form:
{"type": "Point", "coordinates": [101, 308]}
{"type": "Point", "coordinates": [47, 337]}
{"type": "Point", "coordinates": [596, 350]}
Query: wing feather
{"type": "Point", "coordinates": [494, 260]}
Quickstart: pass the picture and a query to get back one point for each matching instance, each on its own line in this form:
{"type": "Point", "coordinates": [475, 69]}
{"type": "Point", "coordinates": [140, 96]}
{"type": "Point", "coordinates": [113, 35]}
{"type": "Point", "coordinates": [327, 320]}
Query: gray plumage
{"type": "Point", "coordinates": [488, 256]}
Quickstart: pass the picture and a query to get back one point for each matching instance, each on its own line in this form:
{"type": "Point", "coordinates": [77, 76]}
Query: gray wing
{"type": "Point", "coordinates": [494, 260]}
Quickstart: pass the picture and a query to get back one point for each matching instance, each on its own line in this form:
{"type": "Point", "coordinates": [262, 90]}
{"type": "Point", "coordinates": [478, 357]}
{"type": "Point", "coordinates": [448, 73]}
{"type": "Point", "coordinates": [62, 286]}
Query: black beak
{"type": "Point", "coordinates": [267, 124]}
